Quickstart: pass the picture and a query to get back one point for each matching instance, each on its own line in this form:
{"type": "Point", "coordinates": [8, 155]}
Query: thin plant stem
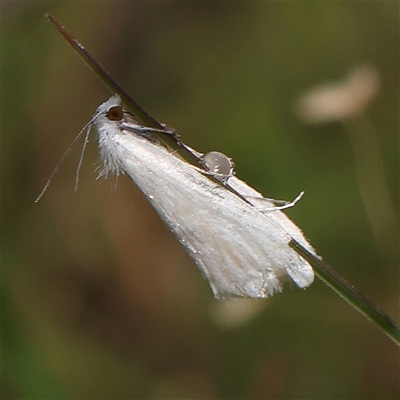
{"type": "Point", "coordinates": [105, 77]}
{"type": "Point", "coordinates": [349, 293]}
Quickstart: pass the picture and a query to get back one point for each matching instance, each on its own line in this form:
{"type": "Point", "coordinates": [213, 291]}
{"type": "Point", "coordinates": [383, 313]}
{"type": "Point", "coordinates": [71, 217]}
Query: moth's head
{"type": "Point", "coordinates": [108, 122]}
{"type": "Point", "coordinates": [113, 101]}
{"type": "Point", "coordinates": [111, 110]}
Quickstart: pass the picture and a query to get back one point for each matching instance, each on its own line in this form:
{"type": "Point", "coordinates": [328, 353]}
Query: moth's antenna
{"type": "Point", "coordinates": [86, 141]}
{"type": "Point", "coordinates": [65, 156]}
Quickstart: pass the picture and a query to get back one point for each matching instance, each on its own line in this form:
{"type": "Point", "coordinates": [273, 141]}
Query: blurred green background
{"type": "Point", "coordinates": [98, 299]}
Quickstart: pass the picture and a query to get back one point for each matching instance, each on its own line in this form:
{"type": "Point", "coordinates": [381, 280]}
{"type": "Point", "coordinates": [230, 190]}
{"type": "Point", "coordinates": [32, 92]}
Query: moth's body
{"type": "Point", "coordinates": [240, 246]}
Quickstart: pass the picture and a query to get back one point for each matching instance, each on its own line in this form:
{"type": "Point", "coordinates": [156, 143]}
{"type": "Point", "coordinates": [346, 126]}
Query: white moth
{"type": "Point", "coordinates": [238, 238]}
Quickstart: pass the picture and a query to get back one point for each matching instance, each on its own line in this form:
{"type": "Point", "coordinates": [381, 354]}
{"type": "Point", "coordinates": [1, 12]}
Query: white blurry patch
{"type": "Point", "coordinates": [340, 100]}
{"type": "Point", "coordinates": [235, 312]}
{"type": "Point", "coordinates": [239, 244]}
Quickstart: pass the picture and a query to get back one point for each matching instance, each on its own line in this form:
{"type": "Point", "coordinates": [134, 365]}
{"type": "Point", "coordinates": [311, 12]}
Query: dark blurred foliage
{"type": "Point", "coordinates": [98, 299]}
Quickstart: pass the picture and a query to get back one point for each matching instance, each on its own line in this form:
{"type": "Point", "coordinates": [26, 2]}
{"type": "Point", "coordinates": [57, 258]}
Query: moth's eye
{"type": "Point", "coordinates": [218, 163]}
{"type": "Point", "coordinates": [115, 113]}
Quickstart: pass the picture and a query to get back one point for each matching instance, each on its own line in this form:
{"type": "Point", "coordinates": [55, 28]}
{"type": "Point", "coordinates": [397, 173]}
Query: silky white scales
{"type": "Point", "coordinates": [240, 243]}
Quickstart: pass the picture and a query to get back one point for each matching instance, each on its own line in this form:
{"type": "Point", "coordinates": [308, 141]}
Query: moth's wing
{"type": "Point", "coordinates": [240, 250]}
{"type": "Point", "coordinates": [302, 273]}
